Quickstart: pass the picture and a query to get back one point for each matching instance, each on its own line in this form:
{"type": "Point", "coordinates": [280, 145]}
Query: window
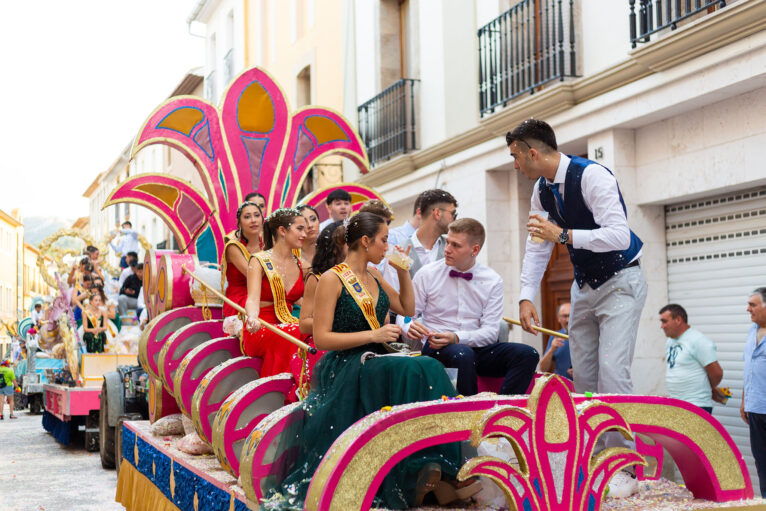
{"type": "Point", "coordinates": [303, 87]}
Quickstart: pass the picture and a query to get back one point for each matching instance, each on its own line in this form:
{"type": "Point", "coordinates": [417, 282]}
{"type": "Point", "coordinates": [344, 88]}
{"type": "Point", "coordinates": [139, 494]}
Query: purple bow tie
{"type": "Point", "coordinates": [461, 275]}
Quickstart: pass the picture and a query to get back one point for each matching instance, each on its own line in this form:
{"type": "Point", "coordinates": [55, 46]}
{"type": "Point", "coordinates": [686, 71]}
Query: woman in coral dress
{"type": "Point", "coordinates": [240, 244]}
{"type": "Point", "coordinates": [274, 284]}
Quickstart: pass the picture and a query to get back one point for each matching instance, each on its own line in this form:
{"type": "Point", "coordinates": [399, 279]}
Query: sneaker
{"type": "Point", "coordinates": [623, 484]}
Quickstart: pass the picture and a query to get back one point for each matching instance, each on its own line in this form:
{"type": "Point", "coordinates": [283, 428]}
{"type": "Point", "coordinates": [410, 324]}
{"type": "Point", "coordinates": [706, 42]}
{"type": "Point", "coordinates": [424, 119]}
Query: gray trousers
{"type": "Point", "coordinates": [125, 302]}
{"type": "Point", "coordinates": [603, 326]}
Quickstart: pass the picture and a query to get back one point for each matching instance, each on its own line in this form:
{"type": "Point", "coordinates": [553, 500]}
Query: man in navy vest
{"type": "Point", "coordinates": [588, 216]}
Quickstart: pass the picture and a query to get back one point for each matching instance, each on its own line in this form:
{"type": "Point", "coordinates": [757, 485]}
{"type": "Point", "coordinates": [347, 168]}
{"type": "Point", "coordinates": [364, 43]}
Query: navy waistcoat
{"type": "Point", "coordinates": [592, 268]}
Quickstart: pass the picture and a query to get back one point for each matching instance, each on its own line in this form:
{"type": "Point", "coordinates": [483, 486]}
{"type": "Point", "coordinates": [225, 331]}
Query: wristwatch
{"type": "Point", "coordinates": [564, 237]}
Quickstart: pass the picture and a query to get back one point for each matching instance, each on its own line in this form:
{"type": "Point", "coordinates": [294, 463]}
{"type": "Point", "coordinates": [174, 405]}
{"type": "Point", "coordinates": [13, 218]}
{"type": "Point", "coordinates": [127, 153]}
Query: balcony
{"type": "Point", "coordinates": [228, 67]}
{"type": "Point", "coordinates": [654, 16]}
{"type": "Point", "coordinates": [210, 90]}
{"type": "Point", "coordinates": [387, 122]}
{"type": "Point", "coordinates": [526, 47]}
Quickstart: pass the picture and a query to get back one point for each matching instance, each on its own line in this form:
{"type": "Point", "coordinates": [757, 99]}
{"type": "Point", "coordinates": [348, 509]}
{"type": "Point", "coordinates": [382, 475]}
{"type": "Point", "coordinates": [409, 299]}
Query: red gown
{"type": "Point", "coordinates": [278, 354]}
{"type": "Point", "coordinates": [236, 290]}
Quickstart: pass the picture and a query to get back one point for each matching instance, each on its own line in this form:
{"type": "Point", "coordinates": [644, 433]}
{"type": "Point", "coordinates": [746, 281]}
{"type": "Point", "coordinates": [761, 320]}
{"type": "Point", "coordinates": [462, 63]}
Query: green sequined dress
{"type": "Point", "coordinates": [345, 390]}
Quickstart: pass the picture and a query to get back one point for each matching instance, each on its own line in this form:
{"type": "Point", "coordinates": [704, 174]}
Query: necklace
{"type": "Point", "coordinates": [280, 267]}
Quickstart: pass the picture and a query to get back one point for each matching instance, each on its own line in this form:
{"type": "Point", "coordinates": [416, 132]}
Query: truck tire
{"type": "Point", "coordinates": [106, 433]}
{"type": "Point", "coordinates": [118, 437]}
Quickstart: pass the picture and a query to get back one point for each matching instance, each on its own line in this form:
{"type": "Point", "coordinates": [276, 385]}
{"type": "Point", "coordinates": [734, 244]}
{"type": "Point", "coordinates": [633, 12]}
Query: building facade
{"type": "Point", "coordinates": [11, 273]}
{"type": "Point", "coordinates": [34, 285]}
{"type": "Point", "coordinates": [669, 96]}
{"type": "Point", "coordinates": [299, 42]}
{"type": "Point", "coordinates": [151, 159]}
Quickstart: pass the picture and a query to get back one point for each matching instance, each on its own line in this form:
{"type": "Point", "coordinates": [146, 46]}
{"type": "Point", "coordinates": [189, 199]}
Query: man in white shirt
{"type": "Point", "coordinates": [132, 259]}
{"type": "Point", "coordinates": [458, 310]}
{"type": "Point", "coordinates": [37, 314]}
{"type": "Point", "coordinates": [588, 216]}
{"type": "Point", "coordinates": [338, 204]}
{"type": "Point", "coordinates": [400, 235]}
{"type": "Point", "coordinates": [128, 242]}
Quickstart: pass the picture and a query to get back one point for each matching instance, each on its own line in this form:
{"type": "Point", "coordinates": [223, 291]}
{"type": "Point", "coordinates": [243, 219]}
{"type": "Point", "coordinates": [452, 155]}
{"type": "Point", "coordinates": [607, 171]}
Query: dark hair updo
{"type": "Point", "coordinates": [360, 225]}
{"type": "Point", "coordinates": [283, 217]}
{"type": "Point", "coordinates": [329, 250]}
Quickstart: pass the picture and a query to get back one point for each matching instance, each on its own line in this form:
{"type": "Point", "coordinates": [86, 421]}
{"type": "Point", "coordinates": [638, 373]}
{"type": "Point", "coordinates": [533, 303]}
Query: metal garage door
{"type": "Point", "coordinates": [716, 250]}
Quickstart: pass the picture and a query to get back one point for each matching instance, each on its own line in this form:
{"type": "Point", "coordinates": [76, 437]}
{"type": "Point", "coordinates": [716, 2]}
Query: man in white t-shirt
{"type": "Point", "coordinates": [692, 371]}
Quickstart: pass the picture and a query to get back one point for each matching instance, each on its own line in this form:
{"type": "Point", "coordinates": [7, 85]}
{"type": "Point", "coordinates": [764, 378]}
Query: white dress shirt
{"type": "Point", "coordinates": [425, 255]}
{"type": "Point", "coordinates": [472, 309]}
{"type": "Point", "coordinates": [601, 197]}
{"type": "Point", "coordinates": [400, 235]}
{"type": "Point", "coordinates": [128, 242]}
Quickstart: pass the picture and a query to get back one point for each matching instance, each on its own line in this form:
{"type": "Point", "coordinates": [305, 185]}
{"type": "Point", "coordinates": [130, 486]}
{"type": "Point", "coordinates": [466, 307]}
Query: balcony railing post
{"type": "Point", "coordinates": [525, 48]}
{"type": "Point", "coordinates": [651, 19]}
{"type": "Point", "coordinates": [387, 121]}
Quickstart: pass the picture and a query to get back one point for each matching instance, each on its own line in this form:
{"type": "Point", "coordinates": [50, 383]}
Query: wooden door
{"type": "Point", "coordinates": [555, 288]}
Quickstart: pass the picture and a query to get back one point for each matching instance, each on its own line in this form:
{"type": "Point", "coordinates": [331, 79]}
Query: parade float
{"type": "Point", "coordinates": [253, 142]}
{"type": "Point", "coordinates": [71, 389]}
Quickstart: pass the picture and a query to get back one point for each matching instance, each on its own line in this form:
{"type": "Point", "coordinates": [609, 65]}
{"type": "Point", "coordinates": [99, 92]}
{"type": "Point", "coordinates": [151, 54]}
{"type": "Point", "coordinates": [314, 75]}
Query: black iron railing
{"type": "Point", "coordinates": [526, 47]}
{"type": "Point", "coordinates": [656, 15]}
{"type": "Point", "coordinates": [387, 121]}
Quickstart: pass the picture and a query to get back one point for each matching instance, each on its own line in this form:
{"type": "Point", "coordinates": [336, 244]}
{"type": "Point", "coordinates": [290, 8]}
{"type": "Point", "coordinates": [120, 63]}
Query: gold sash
{"type": "Point", "coordinates": [358, 292]}
{"type": "Point", "coordinates": [277, 288]}
{"type": "Point", "coordinates": [224, 263]}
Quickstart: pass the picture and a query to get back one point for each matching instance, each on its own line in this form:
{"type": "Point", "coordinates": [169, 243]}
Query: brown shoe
{"type": "Point", "coordinates": [428, 479]}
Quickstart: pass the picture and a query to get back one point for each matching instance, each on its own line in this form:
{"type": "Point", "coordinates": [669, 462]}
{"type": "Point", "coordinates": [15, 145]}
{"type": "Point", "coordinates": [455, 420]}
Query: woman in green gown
{"type": "Point", "coordinates": [94, 329]}
{"type": "Point", "coordinates": [345, 389]}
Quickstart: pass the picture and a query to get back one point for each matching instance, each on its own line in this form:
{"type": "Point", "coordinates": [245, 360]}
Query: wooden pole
{"type": "Point", "coordinates": [538, 328]}
{"type": "Point", "coordinates": [302, 345]}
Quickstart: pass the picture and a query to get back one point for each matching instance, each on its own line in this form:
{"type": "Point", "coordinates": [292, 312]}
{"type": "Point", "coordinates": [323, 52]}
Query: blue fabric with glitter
{"type": "Point", "coordinates": [187, 483]}
{"type": "Point", "coordinates": [592, 268]}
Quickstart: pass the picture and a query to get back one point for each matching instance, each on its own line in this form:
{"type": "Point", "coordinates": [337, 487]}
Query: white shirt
{"type": "Point", "coordinates": [601, 197]}
{"type": "Point", "coordinates": [140, 304]}
{"type": "Point", "coordinates": [127, 272]}
{"type": "Point", "coordinates": [325, 223]}
{"type": "Point", "coordinates": [425, 255]}
{"type": "Point", "coordinates": [36, 316]}
{"type": "Point", "coordinates": [128, 242]}
{"type": "Point", "coordinates": [472, 309]}
{"type": "Point", "coordinates": [400, 235]}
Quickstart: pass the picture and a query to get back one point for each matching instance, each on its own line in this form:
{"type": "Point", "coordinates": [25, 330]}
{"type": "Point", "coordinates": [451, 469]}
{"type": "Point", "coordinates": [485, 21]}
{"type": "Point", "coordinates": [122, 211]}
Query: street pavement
{"type": "Point", "coordinates": [39, 474]}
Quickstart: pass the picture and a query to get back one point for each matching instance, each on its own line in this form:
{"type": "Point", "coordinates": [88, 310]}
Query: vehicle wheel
{"type": "Point", "coordinates": [118, 437]}
{"type": "Point", "coordinates": [105, 433]}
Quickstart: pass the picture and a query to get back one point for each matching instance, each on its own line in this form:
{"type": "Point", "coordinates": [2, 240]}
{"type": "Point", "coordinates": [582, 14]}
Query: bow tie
{"type": "Point", "coordinates": [461, 275]}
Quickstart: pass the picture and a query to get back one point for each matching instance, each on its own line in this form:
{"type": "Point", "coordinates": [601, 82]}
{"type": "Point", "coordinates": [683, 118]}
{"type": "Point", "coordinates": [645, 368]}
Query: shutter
{"type": "Point", "coordinates": [716, 255]}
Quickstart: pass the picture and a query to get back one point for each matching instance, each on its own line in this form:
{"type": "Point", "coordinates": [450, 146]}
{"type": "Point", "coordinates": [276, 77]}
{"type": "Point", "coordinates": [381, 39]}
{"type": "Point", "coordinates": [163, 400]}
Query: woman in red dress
{"type": "Point", "coordinates": [274, 284]}
{"type": "Point", "coordinates": [244, 241]}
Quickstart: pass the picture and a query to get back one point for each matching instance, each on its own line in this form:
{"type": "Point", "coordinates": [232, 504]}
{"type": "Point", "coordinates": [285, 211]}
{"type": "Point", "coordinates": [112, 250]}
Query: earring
{"type": "Point", "coordinates": [366, 249]}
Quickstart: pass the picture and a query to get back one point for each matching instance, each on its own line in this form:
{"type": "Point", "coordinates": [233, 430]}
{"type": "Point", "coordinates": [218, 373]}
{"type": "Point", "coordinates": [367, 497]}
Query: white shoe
{"type": "Point", "coordinates": [622, 484]}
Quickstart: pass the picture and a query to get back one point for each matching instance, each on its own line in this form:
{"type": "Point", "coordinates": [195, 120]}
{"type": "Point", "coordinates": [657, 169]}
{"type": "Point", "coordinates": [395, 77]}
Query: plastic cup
{"type": "Point", "coordinates": [544, 215]}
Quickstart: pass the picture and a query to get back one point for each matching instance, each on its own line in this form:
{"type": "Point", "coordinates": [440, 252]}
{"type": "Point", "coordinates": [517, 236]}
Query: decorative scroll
{"type": "Point", "coordinates": [253, 143]}
{"type": "Point", "coordinates": [552, 426]}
